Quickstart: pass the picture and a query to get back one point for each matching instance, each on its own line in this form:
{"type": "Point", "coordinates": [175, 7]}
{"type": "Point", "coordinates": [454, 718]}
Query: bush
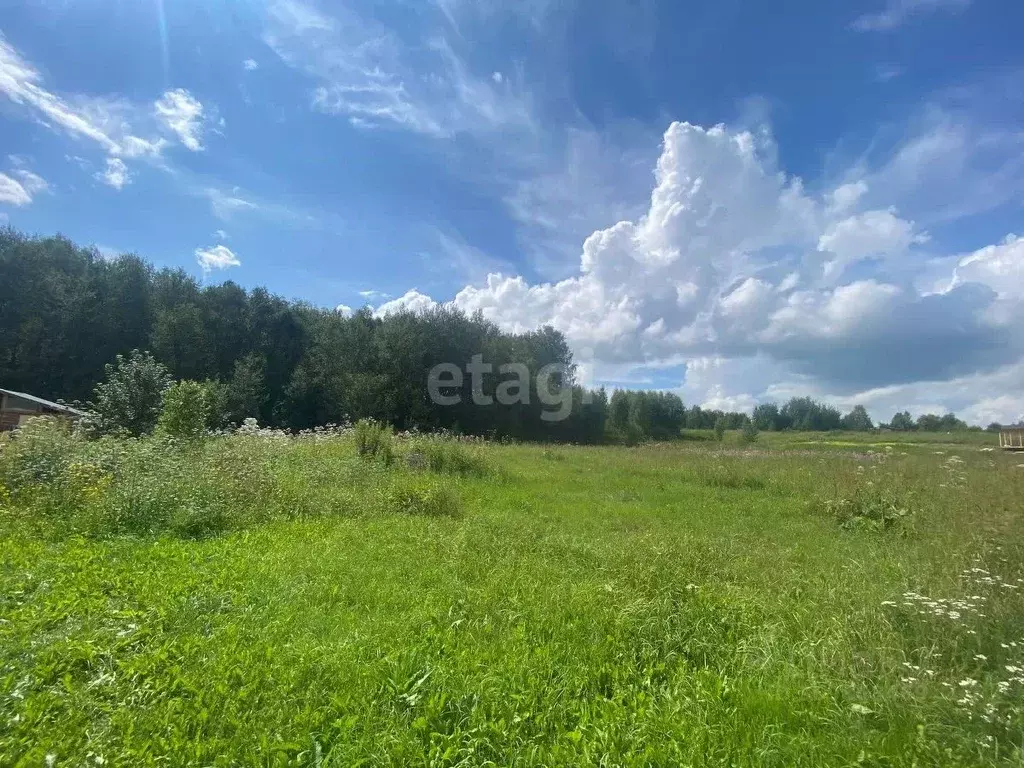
{"type": "Point", "coordinates": [375, 440]}
{"type": "Point", "coordinates": [38, 453]}
{"type": "Point", "coordinates": [749, 433]}
{"type": "Point", "coordinates": [186, 410]}
{"type": "Point", "coordinates": [130, 398]}
{"type": "Point", "coordinates": [720, 428]}
{"type": "Point", "coordinates": [872, 508]}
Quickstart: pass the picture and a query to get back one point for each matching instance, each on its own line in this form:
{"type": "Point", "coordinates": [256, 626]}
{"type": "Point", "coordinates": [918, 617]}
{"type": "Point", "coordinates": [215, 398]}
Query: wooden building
{"type": "Point", "coordinates": [1012, 438]}
{"type": "Point", "coordinates": [17, 407]}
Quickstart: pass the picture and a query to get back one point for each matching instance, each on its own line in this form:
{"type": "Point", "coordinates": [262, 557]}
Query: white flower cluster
{"type": "Point", "coordinates": [989, 702]}
{"type": "Point", "coordinates": [982, 577]}
{"type": "Point", "coordinates": [950, 608]}
{"type": "Point", "coordinates": [994, 696]}
{"type": "Point", "coordinates": [955, 476]}
{"type": "Point", "coordinates": [251, 428]}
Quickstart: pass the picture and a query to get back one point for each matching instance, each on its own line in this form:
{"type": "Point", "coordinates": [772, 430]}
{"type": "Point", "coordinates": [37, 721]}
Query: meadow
{"type": "Point", "coordinates": [346, 598]}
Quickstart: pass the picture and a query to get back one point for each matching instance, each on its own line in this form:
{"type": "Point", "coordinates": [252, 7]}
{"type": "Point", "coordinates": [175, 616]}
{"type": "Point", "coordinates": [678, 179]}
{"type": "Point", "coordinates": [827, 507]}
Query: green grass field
{"type": "Point", "coordinates": [256, 600]}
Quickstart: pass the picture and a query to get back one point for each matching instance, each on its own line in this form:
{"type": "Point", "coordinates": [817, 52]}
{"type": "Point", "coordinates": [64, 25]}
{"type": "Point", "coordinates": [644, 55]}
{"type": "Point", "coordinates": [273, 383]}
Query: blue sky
{"type": "Point", "coordinates": [847, 229]}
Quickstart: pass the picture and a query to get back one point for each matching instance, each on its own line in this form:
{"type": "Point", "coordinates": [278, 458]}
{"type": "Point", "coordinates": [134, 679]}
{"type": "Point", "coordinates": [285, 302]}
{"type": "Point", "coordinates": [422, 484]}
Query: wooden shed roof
{"type": "Point", "coordinates": [48, 404]}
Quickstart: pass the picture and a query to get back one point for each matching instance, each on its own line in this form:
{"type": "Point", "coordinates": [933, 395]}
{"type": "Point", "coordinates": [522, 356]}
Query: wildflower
{"type": "Point", "coordinates": [980, 657]}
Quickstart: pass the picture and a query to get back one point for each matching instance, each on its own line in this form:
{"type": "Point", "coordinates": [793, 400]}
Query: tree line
{"type": "Point", "coordinates": [66, 313]}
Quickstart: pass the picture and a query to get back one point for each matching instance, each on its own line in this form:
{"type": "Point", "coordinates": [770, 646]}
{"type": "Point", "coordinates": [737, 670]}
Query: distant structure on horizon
{"type": "Point", "coordinates": [17, 407]}
{"type": "Point", "coordinates": [1011, 438]}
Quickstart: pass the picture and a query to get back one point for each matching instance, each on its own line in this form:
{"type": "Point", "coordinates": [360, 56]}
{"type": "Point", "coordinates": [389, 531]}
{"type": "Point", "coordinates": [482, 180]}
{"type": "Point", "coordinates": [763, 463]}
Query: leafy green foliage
{"type": "Point", "coordinates": [66, 313]}
{"type": "Point", "coordinates": [928, 422]}
{"type": "Point", "coordinates": [640, 415]}
{"type": "Point", "coordinates": [902, 421]}
{"type": "Point", "coordinates": [130, 397]}
{"type": "Point", "coordinates": [749, 433]}
{"type": "Point", "coordinates": [948, 422]}
{"type": "Point", "coordinates": [187, 410]}
{"type": "Point", "coordinates": [805, 414]}
{"type": "Point", "coordinates": [766, 416]}
{"type": "Point", "coordinates": [874, 510]}
{"type": "Point", "coordinates": [858, 420]}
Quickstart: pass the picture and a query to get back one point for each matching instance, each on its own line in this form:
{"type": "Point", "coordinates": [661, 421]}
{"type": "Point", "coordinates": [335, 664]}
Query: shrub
{"type": "Point", "coordinates": [186, 410]}
{"type": "Point", "coordinates": [130, 398]}
{"type": "Point", "coordinates": [749, 433]}
{"type": "Point", "coordinates": [872, 508]}
{"type": "Point", "coordinates": [375, 440]}
{"type": "Point", "coordinates": [37, 453]}
{"type": "Point", "coordinates": [720, 428]}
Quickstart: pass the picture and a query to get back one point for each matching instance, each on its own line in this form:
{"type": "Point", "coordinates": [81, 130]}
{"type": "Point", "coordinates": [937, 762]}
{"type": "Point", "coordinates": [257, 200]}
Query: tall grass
{"type": "Point", "coordinates": [59, 483]}
{"type": "Point", "coordinates": [671, 604]}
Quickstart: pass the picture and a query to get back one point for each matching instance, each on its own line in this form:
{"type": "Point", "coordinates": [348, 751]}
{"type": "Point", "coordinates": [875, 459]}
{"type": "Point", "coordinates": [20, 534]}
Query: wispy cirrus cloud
{"type": "Point", "coordinates": [225, 204]}
{"type": "Point", "coordinates": [13, 192]}
{"type": "Point", "coordinates": [366, 72]}
{"type": "Point", "coordinates": [898, 12]}
{"type": "Point", "coordinates": [21, 185]}
{"type": "Point", "coordinates": [568, 191]}
{"type": "Point", "coordinates": [123, 130]}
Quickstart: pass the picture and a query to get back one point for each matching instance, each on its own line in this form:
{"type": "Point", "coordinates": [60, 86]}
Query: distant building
{"type": "Point", "coordinates": [17, 407]}
{"type": "Point", "coordinates": [1012, 438]}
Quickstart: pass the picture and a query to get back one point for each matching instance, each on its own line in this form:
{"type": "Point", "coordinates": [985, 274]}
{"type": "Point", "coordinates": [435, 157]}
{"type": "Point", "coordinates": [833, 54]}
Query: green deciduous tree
{"type": "Point", "coordinates": [902, 422]}
{"type": "Point", "coordinates": [130, 397]}
{"type": "Point", "coordinates": [858, 420]}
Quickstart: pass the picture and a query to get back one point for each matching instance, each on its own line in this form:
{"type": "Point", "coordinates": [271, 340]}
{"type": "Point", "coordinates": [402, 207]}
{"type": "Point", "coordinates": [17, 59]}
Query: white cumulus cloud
{"type": "Point", "coordinates": [735, 260]}
{"type": "Point", "coordinates": [182, 113]}
{"type": "Point", "coordinates": [116, 174]}
{"type": "Point", "coordinates": [216, 257]}
{"type": "Point", "coordinates": [412, 301]}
